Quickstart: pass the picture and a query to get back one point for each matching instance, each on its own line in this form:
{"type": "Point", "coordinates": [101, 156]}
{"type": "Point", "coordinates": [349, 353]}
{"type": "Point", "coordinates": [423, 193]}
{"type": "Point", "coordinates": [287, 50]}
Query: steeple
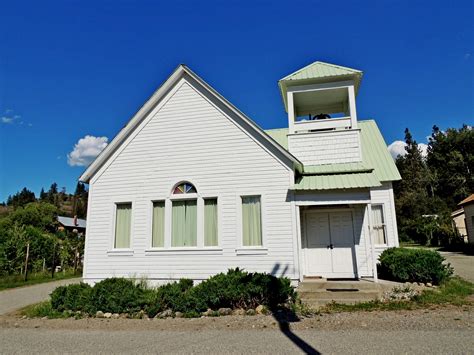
{"type": "Point", "coordinates": [321, 96]}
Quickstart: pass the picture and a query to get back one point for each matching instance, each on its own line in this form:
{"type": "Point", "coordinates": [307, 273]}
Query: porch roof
{"type": "Point", "coordinates": [337, 181]}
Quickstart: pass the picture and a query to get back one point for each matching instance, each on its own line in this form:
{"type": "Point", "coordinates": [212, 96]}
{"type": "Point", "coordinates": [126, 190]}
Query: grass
{"type": "Point", "coordinates": [12, 281]}
{"type": "Point", "coordinates": [453, 292]}
{"type": "Point", "coordinates": [42, 309]}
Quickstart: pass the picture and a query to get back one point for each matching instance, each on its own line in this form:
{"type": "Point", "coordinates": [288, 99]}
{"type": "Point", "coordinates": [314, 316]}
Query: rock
{"type": "Point", "coordinates": [24, 317]}
{"type": "Point", "coordinates": [261, 309]}
{"type": "Point", "coordinates": [178, 315]}
{"type": "Point", "coordinates": [239, 312]}
{"type": "Point", "coordinates": [115, 316]}
{"type": "Point", "coordinates": [208, 313]}
{"type": "Point", "coordinates": [46, 317]}
{"type": "Point", "coordinates": [16, 325]}
{"type": "Point", "coordinates": [429, 284]}
{"type": "Point", "coordinates": [250, 312]}
{"type": "Point", "coordinates": [108, 315]}
{"type": "Point", "coordinates": [99, 314]}
{"type": "Point", "coordinates": [225, 311]}
{"type": "Point", "coordinates": [165, 314]}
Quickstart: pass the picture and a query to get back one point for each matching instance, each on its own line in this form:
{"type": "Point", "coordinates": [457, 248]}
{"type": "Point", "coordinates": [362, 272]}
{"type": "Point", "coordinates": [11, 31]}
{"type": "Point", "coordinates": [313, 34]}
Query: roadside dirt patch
{"type": "Point", "coordinates": [430, 319]}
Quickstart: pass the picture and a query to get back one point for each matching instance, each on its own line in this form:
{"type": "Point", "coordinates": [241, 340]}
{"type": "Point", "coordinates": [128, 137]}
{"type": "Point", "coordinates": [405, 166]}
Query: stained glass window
{"type": "Point", "coordinates": [184, 188]}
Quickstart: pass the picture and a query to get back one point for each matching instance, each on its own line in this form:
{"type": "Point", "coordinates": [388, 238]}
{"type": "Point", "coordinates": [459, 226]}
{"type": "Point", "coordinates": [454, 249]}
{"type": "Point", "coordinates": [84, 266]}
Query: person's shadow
{"type": "Point", "coordinates": [286, 316]}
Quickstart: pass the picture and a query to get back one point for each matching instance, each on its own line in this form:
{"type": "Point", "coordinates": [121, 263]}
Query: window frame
{"type": "Point", "coordinates": [384, 223]}
{"type": "Point", "coordinates": [204, 246]}
{"type": "Point", "coordinates": [112, 249]}
{"type": "Point", "coordinates": [250, 249]}
{"type": "Point", "coordinates": [150, 222]}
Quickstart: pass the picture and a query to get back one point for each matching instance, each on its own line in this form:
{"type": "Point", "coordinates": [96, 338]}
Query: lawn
{"type": "Point", "coordinates": [12, 281]}
{"type": "Point", "coordinates": [455, 291]}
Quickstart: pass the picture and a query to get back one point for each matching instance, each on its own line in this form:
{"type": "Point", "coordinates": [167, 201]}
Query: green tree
{"type": "Point", "coordinates": [451, 161]}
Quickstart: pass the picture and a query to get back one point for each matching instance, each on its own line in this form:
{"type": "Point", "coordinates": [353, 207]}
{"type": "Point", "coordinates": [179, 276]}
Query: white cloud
{"type": "Point", "coordinates": [398, 148]}
{"type": "Point", "coordinates": [86, 150]}
{"type": "Point", "coordinates": [6, 119]}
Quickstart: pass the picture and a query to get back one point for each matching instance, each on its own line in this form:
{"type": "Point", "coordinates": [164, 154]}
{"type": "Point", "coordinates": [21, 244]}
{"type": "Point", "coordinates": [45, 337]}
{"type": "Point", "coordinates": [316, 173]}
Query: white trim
{"type": "Point", "coordinates": [149, 227]}
{"type": "Point", "coordinates": [251, 251]}
{"type": "Point", "coordinates": [184, 251]}
{"type": "Point", "coordinates": [112, 247]}
{"type": "Point", "coordinates": [372, 246]}
{"type": "Point", "coordinates": [324, 86]}
{"type": "Point", "coordinates": [239, 221]}
{"type": "Point", "coordinates": [120, 252]}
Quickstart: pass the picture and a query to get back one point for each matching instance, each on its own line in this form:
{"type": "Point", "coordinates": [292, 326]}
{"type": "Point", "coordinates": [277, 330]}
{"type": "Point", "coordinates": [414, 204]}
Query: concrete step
{"type": "Point", "coordinates": [337, 285]}
{"type": "Point", "coordinates": [340, 296]}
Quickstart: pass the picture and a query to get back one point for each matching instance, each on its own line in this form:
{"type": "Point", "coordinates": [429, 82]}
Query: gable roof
{"type": "Point", "coordinates": [318, 70]}
{"type": "Point", "coordinates": [316, 73]}
{"type": "Point", "coordinates": [181, 71]}
{"type": "Point", "coordinates": [376, 160]}
{"type": "Point", "coordinates": [466, 201]}
{"type": "Point", "coordinates": [69, 222]}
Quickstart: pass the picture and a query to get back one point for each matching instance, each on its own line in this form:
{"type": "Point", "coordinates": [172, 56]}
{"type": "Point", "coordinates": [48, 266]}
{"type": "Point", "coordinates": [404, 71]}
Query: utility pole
{"type": "Point", "coordinates": [26, 260]}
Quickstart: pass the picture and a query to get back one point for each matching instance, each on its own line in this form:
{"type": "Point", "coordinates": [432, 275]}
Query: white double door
{"type": "Point", "coordinates": [329, 244]}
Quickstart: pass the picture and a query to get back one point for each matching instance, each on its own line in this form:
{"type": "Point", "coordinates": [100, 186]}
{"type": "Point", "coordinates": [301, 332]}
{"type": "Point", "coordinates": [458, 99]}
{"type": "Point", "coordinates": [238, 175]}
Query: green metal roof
{"type": "Point", "coordinates": [280, 135]}
{"type": "Point", "coordinates": [318, 70]}
{"type": "Point", "coordinates": [317, 73]}
{"type": "Point", "coordinates": [339, 168]}
{"type": "Point", "coordinates": [336, 181]}
{"type": "Point", "coordinates": [377, 164]}
{"type": "Point", "coordinates": [375, 152]}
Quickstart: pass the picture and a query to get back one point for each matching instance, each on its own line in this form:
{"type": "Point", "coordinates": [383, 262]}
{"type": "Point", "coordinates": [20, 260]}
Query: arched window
{"type": "Point", "coordinates": [184, 188]}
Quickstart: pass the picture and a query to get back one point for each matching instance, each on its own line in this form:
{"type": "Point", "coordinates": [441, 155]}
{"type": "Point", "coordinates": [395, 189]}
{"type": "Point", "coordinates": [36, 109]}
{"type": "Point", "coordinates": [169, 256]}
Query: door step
{"type": "Point", "coordinates": [317, 294]}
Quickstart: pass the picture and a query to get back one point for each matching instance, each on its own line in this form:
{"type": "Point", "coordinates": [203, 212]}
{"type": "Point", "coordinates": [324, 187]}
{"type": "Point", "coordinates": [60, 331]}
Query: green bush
{"type": "Point", "coordinates": [413, 265]}
{"type": "Point", "coordinates": [170, 296]}
{"type": "Point", "coordinates": [234, 289]}
{"type": "Point", "coordinates": [117, 295]}
{"type": "Point", "coordinates": [240, 289]}
{"type": "Point", "coordinates": [73, 297]}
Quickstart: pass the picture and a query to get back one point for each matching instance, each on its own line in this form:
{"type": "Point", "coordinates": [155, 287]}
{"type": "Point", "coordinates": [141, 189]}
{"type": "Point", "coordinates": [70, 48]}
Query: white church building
{"type": "Point", "coordinates": [191, 186]}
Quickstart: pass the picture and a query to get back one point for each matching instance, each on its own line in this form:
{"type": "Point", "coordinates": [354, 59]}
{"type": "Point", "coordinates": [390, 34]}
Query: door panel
{"type": "Point", "coordinates": [324, 229]}
{"type": "Point", "coordinates": [317, 255]}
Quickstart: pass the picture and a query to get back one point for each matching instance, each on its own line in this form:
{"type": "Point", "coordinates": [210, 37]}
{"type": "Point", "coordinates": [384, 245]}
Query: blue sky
{"type": "Point", "coordinates": [69, 69]}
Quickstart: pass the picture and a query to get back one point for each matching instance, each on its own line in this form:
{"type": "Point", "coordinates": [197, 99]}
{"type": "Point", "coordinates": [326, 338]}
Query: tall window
{"type": "Point", "coordinates": [210, 222]}
{"type": "Point", "coordinates": [378, 224]}
{"type": "Point", "coordinates": [184, 218]}
{"type": "Point", "coordinates": [158, 227]}
{"type": "Point", "coordinates": [251, 221]}
{"type": "Point", "coordinates": [123, 223]}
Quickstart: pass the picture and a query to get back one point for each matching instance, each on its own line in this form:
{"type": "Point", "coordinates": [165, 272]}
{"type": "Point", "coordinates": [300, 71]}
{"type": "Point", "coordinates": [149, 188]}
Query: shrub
{"type": "Point", "coordinates": [413, 265]}
{"type": "Point", "coordinates": [117, 295]}
{"type": "Point", "coordinates": [72, 297]}
{"type": "Point", "coordinates": [170, 296]}
{"type": "Point", "coordinates": [240, 289]}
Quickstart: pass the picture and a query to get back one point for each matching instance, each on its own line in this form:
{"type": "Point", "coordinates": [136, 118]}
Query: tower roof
{"type": "Point", "coordinates": [319, 72]}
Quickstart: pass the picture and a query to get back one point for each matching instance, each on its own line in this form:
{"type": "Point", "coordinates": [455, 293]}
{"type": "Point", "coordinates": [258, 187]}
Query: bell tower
{"type": "Point", "coordinates": [322, 118]}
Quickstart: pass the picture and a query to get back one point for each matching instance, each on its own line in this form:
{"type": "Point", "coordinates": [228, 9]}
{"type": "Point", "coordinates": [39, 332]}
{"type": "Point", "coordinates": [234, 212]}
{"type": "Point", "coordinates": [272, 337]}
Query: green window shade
{"type": "Point", "coordinates": [251, 221]}
{"type": "Point", "coordinates": [184, 223]}
{"type": "Point", "coordinates": [378, 224]}
{"type": "Point", "coordinates": [123, 223]}
{"type": "Point", "coordinates": [210, 222]}
{"type": "Point", "coordinates": [158, 232]}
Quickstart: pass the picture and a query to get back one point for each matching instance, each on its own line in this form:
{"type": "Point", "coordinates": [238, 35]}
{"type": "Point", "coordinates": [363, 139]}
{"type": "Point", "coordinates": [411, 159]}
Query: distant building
{"type": "Point", "coordinates": [459, 222]}
{"type": "Point", "coordinates": [468, 207]}
{"type": "Point", "coordinates": [75, 225]}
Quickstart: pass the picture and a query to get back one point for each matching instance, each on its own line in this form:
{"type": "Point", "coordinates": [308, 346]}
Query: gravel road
{"type": "Point", "coordinates": [237, 342]}
{"type": "Point", "coordinates": [446, 330]}
{"type": "Point", "coordinates": [19, 297]}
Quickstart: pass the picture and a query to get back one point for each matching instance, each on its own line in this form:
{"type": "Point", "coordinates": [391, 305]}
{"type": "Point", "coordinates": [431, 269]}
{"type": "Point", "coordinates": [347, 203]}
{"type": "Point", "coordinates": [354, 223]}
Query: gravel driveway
{"type": "Point", "coordinates": [463, 264]}
{"type": "Point", "coordinates": [19, 297]}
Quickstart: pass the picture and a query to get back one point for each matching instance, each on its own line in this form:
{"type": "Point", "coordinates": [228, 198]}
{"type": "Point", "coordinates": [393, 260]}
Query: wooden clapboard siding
{"type": "Point", "coordinates": [326, 147]}
{"type": "Point", "coordinates": [189, 138]}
